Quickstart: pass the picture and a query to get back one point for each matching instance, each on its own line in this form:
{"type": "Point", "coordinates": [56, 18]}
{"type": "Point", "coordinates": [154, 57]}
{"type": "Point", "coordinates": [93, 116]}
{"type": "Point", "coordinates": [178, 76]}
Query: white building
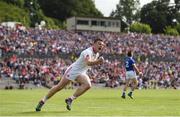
{"type": "Point", "coordinates": [94, 24]}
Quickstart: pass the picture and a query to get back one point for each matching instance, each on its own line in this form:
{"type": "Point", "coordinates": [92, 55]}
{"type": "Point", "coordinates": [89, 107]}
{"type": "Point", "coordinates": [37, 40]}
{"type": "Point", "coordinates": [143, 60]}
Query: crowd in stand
{"type": "Point", "coordinates": [60, 41]}
{"type": "Point", "coordinates": [44, 71]}
{"type": "Point", "coordinates": [111, 73]}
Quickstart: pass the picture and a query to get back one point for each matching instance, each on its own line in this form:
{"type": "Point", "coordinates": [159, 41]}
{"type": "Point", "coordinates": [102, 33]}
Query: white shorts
{"type": "Point", "coordinates": [131, 75]}
{"type": "Point", "coordinates": [72, 75]}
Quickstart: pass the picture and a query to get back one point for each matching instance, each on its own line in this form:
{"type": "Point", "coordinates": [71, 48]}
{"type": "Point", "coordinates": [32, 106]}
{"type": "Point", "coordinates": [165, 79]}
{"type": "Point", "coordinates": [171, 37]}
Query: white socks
{"type": "Point", "coordinates": [73, 97]}
{"type": "Point", "coordinates": [44, 99]}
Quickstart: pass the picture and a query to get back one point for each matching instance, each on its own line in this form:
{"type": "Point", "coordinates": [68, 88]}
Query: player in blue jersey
{"type": "Point", "coordinates": [131, 78]}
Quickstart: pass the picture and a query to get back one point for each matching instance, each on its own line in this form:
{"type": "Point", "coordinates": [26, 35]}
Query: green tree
{"type": "Point", "coordinates": [178, 28]}
{"type": "Point", "coordinates": [159, 14]}
{"type": "Point", "coordinates": [10, 12]}
{"type": "Point", "coordinates": [177, 10]}
{"type": "Point", "coordinates": [62, 9]}
{"type": "Point", "coordinates": [19, 3]}
{"type": "Point", "coordinates": [36, 14]}
{"type": "Point", "coordinates": [177, 2]}
{"type": "Point", "coordinates": [155, 14]}
{"type": "Point", "coordinates": [126, 10]}
{"type": "Point", "coordinates": [171, 31]}
{"type": "Point", "coordinates": [140, 28]}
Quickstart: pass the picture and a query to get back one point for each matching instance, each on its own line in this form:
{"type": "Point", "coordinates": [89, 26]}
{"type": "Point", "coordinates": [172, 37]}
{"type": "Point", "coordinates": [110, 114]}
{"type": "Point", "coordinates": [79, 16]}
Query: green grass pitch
{"type": "Point", "coordinates": [95, 102]}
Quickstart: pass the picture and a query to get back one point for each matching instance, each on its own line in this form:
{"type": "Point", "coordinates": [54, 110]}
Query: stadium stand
{"type": "Point", "coordinates": [40, 57]}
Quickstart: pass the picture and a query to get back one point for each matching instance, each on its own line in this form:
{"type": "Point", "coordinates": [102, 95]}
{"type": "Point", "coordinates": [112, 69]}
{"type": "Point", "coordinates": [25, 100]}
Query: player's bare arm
{"type": "Point", "coordinates": [137, 70]}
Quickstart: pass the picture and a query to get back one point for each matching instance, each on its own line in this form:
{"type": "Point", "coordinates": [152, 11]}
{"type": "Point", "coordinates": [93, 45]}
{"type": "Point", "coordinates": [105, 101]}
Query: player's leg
{"type": "Point", "coordinates": [64, 81]}
{"type": "Point", "coordinates": [85, 84]}
{"type": "Point", "coordinates": [125, 88]}
{"type": "Point", "coordinates": [134, 84]}
{"type": "Point", "coordinates": [57, 88]}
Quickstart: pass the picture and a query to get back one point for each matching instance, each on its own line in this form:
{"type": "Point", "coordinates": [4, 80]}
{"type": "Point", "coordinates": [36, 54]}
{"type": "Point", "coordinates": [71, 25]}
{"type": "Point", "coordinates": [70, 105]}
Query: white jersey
{"type": "Point", "coordinates": [80, 66]}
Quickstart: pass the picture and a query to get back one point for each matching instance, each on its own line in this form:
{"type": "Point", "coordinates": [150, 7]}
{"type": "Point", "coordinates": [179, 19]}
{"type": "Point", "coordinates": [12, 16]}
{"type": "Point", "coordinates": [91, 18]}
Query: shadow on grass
{"type": "Point", "coordinates": [41, 113]}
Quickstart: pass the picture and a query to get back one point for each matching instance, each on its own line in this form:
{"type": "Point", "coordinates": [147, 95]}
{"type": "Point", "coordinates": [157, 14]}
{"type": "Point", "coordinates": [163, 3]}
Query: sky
{"type": "Point", "coordinates": [106, 6]}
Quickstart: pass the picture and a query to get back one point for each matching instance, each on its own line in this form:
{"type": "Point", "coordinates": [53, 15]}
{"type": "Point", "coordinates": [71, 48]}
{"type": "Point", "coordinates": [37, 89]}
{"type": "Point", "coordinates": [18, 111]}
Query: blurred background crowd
{"type": "Point", "coordinates": [40, 57]}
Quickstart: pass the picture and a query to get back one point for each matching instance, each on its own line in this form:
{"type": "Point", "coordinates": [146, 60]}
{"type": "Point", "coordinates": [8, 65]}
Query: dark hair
{"type": "Point", "coordinates": [129, 53]}
{"type": "Point", "coordinates": [97, 39]}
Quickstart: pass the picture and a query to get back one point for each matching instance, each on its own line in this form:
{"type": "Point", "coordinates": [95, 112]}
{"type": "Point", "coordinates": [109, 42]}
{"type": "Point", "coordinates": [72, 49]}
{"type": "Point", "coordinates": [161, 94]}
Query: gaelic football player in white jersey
{"type": "Point", "coordinates": [77, 72]}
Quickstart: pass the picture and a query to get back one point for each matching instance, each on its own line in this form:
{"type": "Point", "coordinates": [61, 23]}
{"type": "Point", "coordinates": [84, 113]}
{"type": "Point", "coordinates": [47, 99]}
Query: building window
{"type": "Point", "coordinates": [113, 24]}
{"type": "Point", "coordinates": [82, 22]}
{"type": "Point", "coordinates": [94, 23]}
{"type": "Point", "coordinates": [109, 24]}
{"type": "Point", "coordinates": [117, 24]}
{"type": "Point", "coordinates": [103, 23]}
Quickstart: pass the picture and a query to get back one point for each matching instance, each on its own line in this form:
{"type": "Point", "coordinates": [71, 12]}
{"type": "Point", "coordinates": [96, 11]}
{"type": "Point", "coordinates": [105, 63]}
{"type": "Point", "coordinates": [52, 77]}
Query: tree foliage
{"type": "Point", "coordinates": [171, 31]}
{"type": "Point", "coordinates": [54, 12]}
{"type": "Point", "coordinates": [62, 9]}
{"type": "Point", "coordinates": [178, 28]}
{"type": "Point", "coordinates": [140, 28]}
{"type": "Point", "coordinates": [13, 13]}
{"type": "Point", "coordinates": [127, 10]}
{"type": "Point", "coordinates": [159, 14]}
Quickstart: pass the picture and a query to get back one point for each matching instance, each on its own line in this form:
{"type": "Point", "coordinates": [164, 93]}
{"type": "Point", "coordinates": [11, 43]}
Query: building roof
{"type": "Point", "coordinates": [110, 18]}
